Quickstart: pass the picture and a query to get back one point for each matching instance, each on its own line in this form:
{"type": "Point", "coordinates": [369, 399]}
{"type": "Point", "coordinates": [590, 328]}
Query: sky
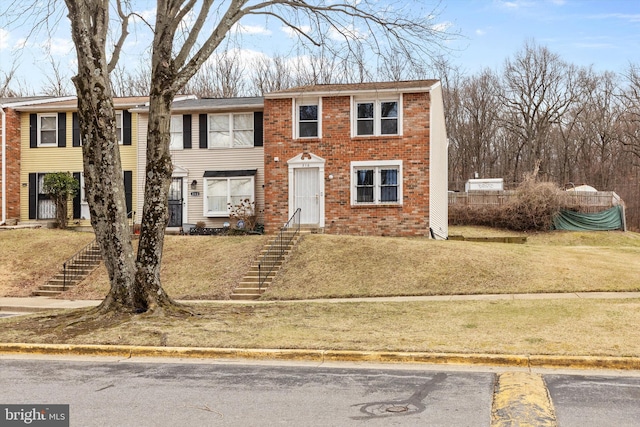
{"type": "Point", "coordinates": [604, 34]}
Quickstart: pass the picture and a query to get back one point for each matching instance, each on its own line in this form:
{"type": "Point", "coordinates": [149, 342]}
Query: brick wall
{"type": "Point", "coordinates": [338, 149]}
{"type": "Point", "coordinates": [13, 164]}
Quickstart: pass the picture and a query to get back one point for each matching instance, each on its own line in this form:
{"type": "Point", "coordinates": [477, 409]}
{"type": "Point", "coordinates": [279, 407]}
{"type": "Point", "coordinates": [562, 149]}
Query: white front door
{"type": "Point", "coordinates": [307, 195]}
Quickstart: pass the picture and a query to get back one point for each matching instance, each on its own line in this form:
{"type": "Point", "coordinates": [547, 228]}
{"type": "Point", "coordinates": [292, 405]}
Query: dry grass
{"type": "Point", "coordinates": [28, 257]}
{"type": "Point", "coordinates": [555, 327]}
{"type": "Point", "coordinates": [193, 267]}
{"type": "Point", "coordinates": [326, 266]}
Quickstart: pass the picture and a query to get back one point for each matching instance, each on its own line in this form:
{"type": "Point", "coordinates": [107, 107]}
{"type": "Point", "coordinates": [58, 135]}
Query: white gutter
{"type": "Point", "coordinates": [4, 166]}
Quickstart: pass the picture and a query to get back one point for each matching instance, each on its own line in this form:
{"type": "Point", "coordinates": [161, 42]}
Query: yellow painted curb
{"type": "Point", "coordinates": [522, 399]}
{"type": "Point", "coordinates": [521, 361]}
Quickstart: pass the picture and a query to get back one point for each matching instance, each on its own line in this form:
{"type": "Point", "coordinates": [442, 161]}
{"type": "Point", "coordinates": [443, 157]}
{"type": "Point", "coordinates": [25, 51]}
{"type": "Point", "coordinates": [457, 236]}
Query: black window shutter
{"type": "Point", "coordinates": [76, 198]}
{"type": "Point", "coordinates": [62, 129]}
{"type": "Point", "coordinates": [128, 191]}
{"type": "Point", "coordinates": [204, 131]}
{"type": "Point", "coordinates": [75, 135]}
{"type": "Point", "coordinates": [33, 196]}
{"type": "Point", "coordinates": [186, 131]}
{"type": "Point", "coordinates": [33, 132]}
{"type": "Point", "coordinates": [258, 139]}
{"type": "Point", "coordinates": [126, 128]}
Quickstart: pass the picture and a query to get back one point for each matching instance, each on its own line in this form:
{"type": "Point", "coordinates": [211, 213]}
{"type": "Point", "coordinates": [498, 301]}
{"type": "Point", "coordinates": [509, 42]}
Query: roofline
{"type": "Point", "coordinates": [205, 108]}
{"type": "Point", "coordinates": [36, 102]}
{"type": "Point", "coordinates": [350, 92]}
{"type": "Point", "coordinates": [40, 107]}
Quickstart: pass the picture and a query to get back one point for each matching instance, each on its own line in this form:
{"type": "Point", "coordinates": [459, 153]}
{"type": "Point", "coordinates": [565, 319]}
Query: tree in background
{"type": "Point", "coordinates": [61, 186]}
{"type": "Point", "coordinates": [186, 33]}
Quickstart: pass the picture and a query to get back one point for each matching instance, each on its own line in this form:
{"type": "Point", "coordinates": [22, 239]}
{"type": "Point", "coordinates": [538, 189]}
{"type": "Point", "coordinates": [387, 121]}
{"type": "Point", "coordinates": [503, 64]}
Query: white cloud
{"type": "Point", "coordinates": [148, 15]}
{"type": "Point", "coordinates": [4, 38]}
{"type": "Point", "coordinates": [20, 43]}
{"type": "Point", "coordinates": [350, 32]}
{"type": "Point", "coordinates": [58, 46]}
{"type": "Point", "coordinates": [480, 32]}
{"type": "Point", "coordinates": [442, 26]}
{"type": "Point", "coordinates": [251, 29]}
{"type": "Point", "coordinates": [290, 32]}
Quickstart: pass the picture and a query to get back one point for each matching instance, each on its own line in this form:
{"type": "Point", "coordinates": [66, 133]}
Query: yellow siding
{"type": "Point", "coordinates": [66, 159]}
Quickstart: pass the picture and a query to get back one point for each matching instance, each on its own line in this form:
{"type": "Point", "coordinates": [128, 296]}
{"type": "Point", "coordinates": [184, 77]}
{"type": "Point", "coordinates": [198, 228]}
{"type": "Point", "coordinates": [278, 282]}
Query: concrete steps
{"type": "Point", "coordinates": [77, 269]}
{"type": "Point", "coordinates": [249, 287]}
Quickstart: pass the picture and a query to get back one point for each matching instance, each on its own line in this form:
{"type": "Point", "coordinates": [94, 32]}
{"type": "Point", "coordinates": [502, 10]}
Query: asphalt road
{"type": "Point", "coordinates": [133, 393]}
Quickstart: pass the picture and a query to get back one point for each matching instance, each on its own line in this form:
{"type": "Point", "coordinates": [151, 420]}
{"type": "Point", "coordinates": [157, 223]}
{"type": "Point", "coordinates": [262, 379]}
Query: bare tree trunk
{"type": "Point", "coordinates": [104, 184]}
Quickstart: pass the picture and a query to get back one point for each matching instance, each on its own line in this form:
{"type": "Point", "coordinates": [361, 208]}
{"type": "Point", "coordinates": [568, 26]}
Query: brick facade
{"type": "Point", "coordinates": [338, 148]}
{"type": "Point", "coordinates": [13, 164]}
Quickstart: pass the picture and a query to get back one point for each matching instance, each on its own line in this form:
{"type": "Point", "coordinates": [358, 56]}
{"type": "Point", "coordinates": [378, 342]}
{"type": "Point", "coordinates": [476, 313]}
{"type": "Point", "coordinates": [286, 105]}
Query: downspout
{"type": "Point", "coordinates": [3, 221]}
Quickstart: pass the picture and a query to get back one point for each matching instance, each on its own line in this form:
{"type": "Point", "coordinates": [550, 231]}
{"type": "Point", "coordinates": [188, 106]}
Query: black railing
{"type": "Point", "coordinates": [81, 263]}
{"type": "Point", "coordinates": [276, 250]}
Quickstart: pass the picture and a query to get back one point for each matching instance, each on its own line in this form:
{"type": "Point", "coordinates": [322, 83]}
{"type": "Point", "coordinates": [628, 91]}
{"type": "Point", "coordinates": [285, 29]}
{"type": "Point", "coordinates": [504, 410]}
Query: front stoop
{"type": "Point", "coordinates": [81, 268]}
{"type": "Point", "coordinates": [249, 287]}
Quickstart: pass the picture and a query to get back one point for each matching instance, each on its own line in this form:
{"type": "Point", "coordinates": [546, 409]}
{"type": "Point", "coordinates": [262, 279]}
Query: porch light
{"type": "Point", "coordinates": [194, 184]}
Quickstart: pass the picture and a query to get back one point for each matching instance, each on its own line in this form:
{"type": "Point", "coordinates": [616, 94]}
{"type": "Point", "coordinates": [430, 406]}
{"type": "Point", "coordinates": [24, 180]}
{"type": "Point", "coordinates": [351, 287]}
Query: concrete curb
{"type": "Point", "coordinates": [495, 360]}
{"type": "Point", "coordinates": [524, 397]}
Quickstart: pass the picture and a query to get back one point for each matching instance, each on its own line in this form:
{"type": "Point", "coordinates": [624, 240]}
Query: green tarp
{"type": "Point", "coordinates": [611, 219]}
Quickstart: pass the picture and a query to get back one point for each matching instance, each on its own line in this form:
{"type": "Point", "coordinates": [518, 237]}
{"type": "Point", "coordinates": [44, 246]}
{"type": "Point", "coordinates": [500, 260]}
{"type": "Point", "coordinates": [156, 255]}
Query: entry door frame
{"type": "Point", "coordinates": [180, 172]}
{"type": "Point", "coordinates": [311, 161]}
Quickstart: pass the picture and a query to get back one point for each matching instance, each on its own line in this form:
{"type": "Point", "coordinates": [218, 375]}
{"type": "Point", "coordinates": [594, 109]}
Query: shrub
{"type": "Point", "coordinates": [60, 186]}
{"type": "Point", "coordinates": [532, 207]}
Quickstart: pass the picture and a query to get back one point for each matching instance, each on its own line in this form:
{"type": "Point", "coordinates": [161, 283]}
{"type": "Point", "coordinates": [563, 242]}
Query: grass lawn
{"type": "Point", "coordinates": [340, 266]}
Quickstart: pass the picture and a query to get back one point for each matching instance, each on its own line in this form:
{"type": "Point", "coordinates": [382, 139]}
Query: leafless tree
{"type": "Point", "coordinates": [222, 76]}
{"type": "Point", "coordinates": [538, 90]}
{"type": "Point", "coordinates": [127, 82]}
{"type": "Point", "coordinates": [179, 50]}
{"type": "Point", "coordinates": [57, 82]}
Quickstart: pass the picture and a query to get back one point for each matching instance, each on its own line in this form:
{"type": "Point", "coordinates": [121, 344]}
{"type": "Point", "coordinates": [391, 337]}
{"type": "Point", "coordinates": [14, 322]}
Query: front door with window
{"type": "Point", "coordinates": [175, 203]}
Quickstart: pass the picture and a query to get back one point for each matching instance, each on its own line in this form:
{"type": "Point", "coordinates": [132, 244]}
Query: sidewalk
{"type": "Point", "coordinates": [33, 304]}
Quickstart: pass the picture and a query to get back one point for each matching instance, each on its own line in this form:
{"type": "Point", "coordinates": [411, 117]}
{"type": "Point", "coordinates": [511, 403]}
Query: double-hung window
{"type": "Point", "coordinates": [223, 192]}
{"type": "Point", "coordinates": [231, 130]}
{"type": "Point", "coordinates": [376, 182]}
{"type": "Point", "coordinates": [176, 133]}
{"type": "Point", "coordinates": [119, 127]}
{"type": "Point", "coordinates": [48, 129]}
{"type": "Point", "coordinates": [308, 118]}
{"type": "Point", "coordinates": [377, 117]}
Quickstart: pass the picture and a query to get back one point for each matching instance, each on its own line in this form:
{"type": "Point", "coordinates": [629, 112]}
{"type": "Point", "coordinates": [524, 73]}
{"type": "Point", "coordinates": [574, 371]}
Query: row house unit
{"type": "Point", "coordinates": [358, 158]}
{"type": "Point", "coordinates": [217, 151]}
{"type": "Point", "coordinates": [10, 157]}
{"type": "Point", "coordinates": [50, 142]}
{"type": "Point", "coordinates": [355, 159]}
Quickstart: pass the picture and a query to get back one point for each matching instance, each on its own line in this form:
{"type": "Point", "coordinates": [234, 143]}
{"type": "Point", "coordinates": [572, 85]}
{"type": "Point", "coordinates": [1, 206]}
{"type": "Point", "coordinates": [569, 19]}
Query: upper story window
{"type": "Point", "coordinates": [176, 133]}
{"type": "Point", "coordinates": [119, 127]}
{"type": "Point", "coordinates": [48, 129]}
{"type": "Point", "coordinates": [377, 117]}
{"type": "Point", "coordinates": [308, 118]}
{"type": "Point", "coordinates": [231, 130]}
{"type": "Point", "coordinates": [376, 182]}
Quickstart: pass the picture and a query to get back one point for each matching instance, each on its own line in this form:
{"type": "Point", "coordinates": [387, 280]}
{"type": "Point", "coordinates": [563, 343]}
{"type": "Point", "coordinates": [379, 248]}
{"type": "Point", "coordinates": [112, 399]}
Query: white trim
{"type": "Point", "coordinates": [205, 196]}
{"type": "Point", "coordinates": [376, 164]}
{"type": "Point", "coordinates": [40, 130]}
{"type": "Point", "coordinates": [231, 129]}
{"type": "Point", "coordinates": [297, 102]}
{"type": "Point", "coordinates": [354, 91]}
{"type": "Point", "coordinates": [309, 160]}
{"type": "Point", "coordinates": [377, 115]}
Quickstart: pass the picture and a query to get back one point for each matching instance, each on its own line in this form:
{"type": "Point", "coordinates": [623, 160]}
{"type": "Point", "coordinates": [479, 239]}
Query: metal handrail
{"type": "Point", "coordinates": [72, 267]}
{"type": "Point", "coordinates": [276, 250]}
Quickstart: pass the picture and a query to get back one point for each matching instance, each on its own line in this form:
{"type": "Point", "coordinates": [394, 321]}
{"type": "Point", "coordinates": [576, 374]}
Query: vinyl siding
{"type": "Point", "coordinates": [198, 160]}
{"type": "Point", "coordinates": [63, 159]}
{"type": "Point", "coordinates": [438, 168]}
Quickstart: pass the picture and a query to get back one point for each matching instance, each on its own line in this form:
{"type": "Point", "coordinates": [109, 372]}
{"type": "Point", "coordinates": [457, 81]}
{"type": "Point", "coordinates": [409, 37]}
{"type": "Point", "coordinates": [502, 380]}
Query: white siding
{"type": "Point", "coordinates": [198, 160]}
{"type": "Point", "coordinates": [438, 167]}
